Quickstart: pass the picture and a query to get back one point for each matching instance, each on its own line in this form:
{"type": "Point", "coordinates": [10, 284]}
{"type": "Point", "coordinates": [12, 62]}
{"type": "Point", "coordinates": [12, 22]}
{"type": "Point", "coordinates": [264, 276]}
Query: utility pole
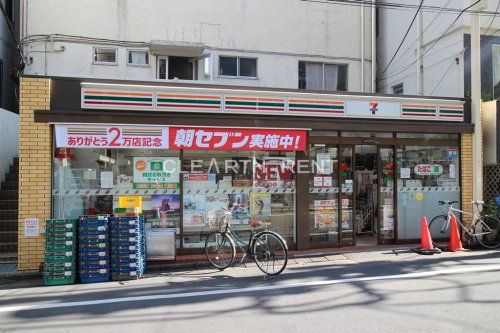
{"type": "Point", "coordinates": [477, 151]}
{"type": "Point", "coordinates": [420, 62]}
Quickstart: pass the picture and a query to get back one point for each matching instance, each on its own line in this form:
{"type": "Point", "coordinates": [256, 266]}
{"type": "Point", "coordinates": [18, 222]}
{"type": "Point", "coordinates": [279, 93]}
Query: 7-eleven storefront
{"type": "Point", "coordinates": [324, 170]}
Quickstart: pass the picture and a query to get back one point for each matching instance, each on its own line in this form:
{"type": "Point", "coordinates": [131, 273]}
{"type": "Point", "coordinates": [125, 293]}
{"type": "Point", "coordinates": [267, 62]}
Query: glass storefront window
{"type": "Point", "coordinates": [367, 134]}
{"type": "Point", "coordinates": [428, 136]}
{"type": "Point", "coordinates": [107, 181]}
{"type": "Point", "coordinates": [324, 194]}
{"type": "Point", "coordinates": [255, 185]}
{"type": "Point", "coordinates": [425, 175]}
{"type": "Point", "coordinates": [346, 195]}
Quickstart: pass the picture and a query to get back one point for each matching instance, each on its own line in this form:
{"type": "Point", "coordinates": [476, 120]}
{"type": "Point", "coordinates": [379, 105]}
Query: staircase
{"type": "Point", "coordinates": [8, 214]}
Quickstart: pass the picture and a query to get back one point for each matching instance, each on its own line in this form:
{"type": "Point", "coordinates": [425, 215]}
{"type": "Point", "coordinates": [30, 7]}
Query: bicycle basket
{"type": "Point", "coordinates": [218, 219]}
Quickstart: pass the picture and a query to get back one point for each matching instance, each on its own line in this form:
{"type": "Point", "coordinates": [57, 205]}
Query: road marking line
{"type": "Point", "coordinates": [450, 271]}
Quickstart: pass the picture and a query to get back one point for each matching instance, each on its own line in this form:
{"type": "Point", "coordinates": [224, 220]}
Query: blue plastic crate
{"type": "Point", "coordinates": [95, 278]}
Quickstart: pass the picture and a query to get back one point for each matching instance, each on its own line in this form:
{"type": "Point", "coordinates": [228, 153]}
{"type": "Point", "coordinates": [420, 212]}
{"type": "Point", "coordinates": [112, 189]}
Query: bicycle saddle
{"type": "Point", "coordinates": [446, 202]}
{"type": "Point", "coordinates": [255, 223]}
{"type": "Point", "coordinates": [477, 202]}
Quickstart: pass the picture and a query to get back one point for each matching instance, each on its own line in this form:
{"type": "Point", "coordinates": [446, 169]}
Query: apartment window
{"type": "Point", "coordinates": [398, 89]}
{"type": "Point", "coordinates": [105, 55]}
{"type": "Point", "coordinates": [238, 67]}
{"type": "Point", "coordinates": [138, 58]}
{"type": "Point", "coordinates": [496, 70]}
{"type": "Point", "coordinates": [322, 76]}
{"type": "Point", "coordinates": [181, 68]}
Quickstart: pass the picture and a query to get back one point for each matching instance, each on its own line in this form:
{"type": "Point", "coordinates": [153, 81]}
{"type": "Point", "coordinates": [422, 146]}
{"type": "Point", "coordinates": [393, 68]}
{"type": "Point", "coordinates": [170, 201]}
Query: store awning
{"type": "Point", "coordinates": [179, 49]}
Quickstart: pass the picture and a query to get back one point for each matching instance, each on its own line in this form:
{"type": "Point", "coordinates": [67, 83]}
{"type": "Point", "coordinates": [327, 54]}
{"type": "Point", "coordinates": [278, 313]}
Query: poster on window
{"type": "Point", "coordinates": [241, 208]}
{"type": "Point", "coordinates": [325, 214]}
{"type": "Point", "coordinates": [156, 172]}
{"type": "Point", "coordinates": [194, 210]}
{"type": "Point", "coordinates": [216, 202]}
{"type": "Point", "coordinates": [388, 217]}
{"type": "Point", "coordinates": [167, 209]}
{"type": "Point", "coordinates": [260, 207]}
{"type": "Point", "coordinates": [273, 172]}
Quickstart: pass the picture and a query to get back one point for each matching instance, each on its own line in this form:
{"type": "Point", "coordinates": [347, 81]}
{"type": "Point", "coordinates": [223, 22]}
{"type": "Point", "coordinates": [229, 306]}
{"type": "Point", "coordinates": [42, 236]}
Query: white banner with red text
{"type": "Point", "coordinates": [177, 137]}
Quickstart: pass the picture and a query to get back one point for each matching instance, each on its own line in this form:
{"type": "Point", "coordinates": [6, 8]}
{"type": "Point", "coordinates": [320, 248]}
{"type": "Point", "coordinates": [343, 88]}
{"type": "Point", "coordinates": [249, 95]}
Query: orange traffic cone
{"type": "Point", "coordinates": [455, 242]}
{"type": "Point", "coordinates": [426, 246]}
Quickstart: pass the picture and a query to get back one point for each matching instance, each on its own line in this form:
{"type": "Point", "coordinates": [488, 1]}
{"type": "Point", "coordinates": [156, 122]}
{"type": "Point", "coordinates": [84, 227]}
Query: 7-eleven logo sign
{"type": "Point", "coordinates": [373, 108]}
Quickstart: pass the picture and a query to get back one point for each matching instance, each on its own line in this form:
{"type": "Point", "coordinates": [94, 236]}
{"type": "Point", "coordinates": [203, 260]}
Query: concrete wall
{"type": "Point", "coordinates": [9, 144]}
{"type": "Point", "coordinates": [444, 60]}
{"type": "Point", "coordinates": [279, 33]}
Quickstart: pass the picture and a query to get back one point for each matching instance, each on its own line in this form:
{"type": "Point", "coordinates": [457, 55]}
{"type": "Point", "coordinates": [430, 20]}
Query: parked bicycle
{"type": "Point", "coordinates": [485, 229]}
{"type": "Point", "coordinates": [267, 248]}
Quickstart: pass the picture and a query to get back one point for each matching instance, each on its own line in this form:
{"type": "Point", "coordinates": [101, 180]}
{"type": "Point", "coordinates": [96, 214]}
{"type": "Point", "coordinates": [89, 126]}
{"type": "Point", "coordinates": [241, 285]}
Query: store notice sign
{"type": "Point", "coordinates": [130, 202]}
{"type": "Point", "coordinates": [237, 139]}
{"type": "Point", "coordinates": [405, 173]}
{"type": "Point", "coordinates": [428, 169]}
{"type": "Point", "coordinates": [31, 227]}
{"type": "Point", "coordinates": [111, 136]}
{"type": "Point", "coordinates": [156, 172]}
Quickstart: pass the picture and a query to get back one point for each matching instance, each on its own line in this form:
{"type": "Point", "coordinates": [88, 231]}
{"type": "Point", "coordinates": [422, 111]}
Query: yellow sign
{"type": "Point", "coordinates": [130, 202]}
{"type": "Point", "coordinates": [419, 196]}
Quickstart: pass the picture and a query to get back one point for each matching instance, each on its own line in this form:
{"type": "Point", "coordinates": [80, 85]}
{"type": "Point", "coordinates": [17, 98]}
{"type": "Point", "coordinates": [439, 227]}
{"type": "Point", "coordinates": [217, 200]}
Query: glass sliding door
{"type": "Point", "coordinates": [323, 196]}
{"type": "Point", "coordinates": [346, 202]}
{"type": "Point", "coordinates": [386, 202]}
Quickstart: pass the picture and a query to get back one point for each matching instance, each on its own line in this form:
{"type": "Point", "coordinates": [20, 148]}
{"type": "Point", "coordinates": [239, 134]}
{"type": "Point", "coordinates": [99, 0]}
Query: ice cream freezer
{"type": "Point", "coordinates": [160, 243]}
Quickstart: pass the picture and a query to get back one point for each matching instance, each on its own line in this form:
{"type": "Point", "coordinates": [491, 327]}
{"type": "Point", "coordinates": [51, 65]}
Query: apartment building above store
{"type": "Point", "coordinates": [279, 44]}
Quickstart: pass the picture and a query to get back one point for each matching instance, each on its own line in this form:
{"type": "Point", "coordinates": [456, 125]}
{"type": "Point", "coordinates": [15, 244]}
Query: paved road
{"type": "Point", "coordinates": [453, 292]}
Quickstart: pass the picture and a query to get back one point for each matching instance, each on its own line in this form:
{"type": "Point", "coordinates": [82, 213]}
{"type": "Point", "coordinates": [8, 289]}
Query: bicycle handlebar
{"type": "Point", "coordinates": [447, 202]}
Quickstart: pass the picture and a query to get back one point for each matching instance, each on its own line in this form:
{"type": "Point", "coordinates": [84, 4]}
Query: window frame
{"type": "Point", "coordinates": [238, 76]}
{"type": "Point", "coordinates": [108, 63]}
{"type": "Point", "coordinates": [148, 58]}
{"type": "Point", "coordinates": [322, 63]}
{"type": "Point", "coordinates": [396, 86]}
{"type": "Point", "coordinates": [167, 68]}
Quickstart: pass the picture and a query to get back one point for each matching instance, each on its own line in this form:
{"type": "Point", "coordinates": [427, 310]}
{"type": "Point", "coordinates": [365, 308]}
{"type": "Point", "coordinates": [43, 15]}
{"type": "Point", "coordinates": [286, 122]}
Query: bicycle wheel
{"type": "Point", "coordinates": [440, 231]}
{"type": "Point", "coordinates": [220, 250]}
{"type": "Point", "coordinates": [271, 254]}
{"type": "Point", "coordinates": [486, 231]}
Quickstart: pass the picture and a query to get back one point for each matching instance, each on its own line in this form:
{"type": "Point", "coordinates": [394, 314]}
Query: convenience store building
{"type": "Point", "coordinates": [322, 169]}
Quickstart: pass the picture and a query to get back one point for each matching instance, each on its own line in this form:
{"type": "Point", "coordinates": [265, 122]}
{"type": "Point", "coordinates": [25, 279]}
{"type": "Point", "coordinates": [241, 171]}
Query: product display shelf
{"type": "Point", "coordinates": [127, 247]}
{"type": "Point", "coordinates": [60, 252]}
{"type": "Point", "coordinates": [94, 249]}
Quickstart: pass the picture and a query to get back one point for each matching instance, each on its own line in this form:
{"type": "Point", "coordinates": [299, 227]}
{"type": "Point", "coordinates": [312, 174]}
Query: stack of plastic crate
{"type": "Point", "coordinates": [60, 252]}
{"type": "Point", "coordinates": [128, 247]}
{"type": "Point", "coordinates": [94, 249]}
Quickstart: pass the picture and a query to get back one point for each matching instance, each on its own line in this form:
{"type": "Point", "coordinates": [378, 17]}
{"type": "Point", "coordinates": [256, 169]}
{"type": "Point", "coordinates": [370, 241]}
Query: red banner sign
{"type": "Point", "coordinates": [195, 138]}
{"type": "Point", "coordinates": [192, 138]}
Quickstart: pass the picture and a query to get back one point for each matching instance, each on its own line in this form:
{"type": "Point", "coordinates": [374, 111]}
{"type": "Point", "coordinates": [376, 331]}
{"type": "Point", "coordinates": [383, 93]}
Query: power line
{"type": "Point", "coordinates": [496, 11]}
{"type": "Point", "coordinates": [404, 37]}
{"type": "Point", "coordinates": [400, 6]}
{"type": "Point", "coordinates": [421, 34]}
{"type": "Point", "coordinates": [434, 44]}
{"type": "Point", "coordinates": [442, 77]}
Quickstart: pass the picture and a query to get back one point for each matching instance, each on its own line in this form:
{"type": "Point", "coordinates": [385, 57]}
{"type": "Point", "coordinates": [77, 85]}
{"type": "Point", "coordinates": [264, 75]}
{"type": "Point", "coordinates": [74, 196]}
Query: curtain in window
{"type": "Point", "coordinates": [138, 58]}
{"type": "Point", "coordinates": [331, 77]}
{"type": "Point", "coordinates": [314, 76]}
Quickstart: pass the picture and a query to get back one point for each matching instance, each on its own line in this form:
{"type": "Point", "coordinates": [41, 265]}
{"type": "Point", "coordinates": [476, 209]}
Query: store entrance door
{"type": "Point", "coordinates": [365, 191]}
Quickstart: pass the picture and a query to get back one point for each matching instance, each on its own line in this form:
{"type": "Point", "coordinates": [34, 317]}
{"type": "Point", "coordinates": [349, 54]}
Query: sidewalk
{"type": "Point", "coordinates": [345, 255]}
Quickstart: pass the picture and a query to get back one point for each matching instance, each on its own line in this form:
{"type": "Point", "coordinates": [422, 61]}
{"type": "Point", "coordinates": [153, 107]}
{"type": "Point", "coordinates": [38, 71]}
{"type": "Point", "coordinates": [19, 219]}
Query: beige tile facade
{"type": "Point", "coordinates": [35, 147]}
{"type": "Point", "coordinates": [466, 174]}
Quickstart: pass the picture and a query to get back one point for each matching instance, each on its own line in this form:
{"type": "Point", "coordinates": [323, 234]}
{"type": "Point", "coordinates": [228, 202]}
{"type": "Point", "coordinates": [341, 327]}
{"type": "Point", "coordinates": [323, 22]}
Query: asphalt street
{"type": "Point", "coordinates": [453, 292]}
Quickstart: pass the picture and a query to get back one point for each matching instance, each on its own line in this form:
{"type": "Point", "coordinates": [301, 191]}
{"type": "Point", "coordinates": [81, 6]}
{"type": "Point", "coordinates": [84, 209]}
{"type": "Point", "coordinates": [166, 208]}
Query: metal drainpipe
{"type": "Point", "coordinates": [362, 14]}
{"type": "Point", "coordinates": [374, 48]}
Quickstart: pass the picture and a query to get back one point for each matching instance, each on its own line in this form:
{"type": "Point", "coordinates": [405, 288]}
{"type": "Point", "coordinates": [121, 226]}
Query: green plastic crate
{"type": "Point", "coordinates": [59, 259]}
{"type": "Point", "coordinates": [57, 281]}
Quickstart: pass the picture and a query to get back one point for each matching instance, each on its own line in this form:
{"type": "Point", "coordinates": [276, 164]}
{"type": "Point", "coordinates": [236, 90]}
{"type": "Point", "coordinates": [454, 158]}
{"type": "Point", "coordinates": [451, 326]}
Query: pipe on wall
{"type": "Point", "coordinates": [374, 48]}
{"type": "Point", "coordinates": [362, 14]}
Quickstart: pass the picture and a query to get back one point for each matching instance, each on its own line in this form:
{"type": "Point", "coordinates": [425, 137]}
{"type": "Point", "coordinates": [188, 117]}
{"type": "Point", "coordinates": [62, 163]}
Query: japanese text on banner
{"type": "Point", "coordinates": [237, 139]}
